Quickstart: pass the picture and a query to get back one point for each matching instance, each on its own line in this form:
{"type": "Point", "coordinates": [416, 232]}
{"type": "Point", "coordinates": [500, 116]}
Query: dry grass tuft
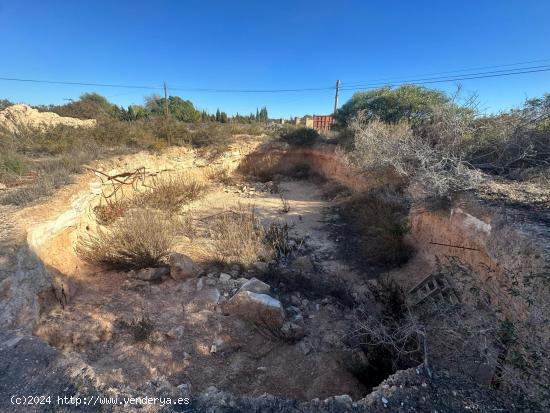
{"type": "Point", "coordinates": [171, 192]}
{"type": "Point", "coordinates": [222, 176]}
{"type": "Point", "coordinates": [237, 237]}
{"type": "Point", "coordinates": [142, 238]}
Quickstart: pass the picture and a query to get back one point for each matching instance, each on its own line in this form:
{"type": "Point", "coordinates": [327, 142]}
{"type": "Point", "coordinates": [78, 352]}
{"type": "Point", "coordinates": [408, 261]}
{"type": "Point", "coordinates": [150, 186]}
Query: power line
{"type": "Point", "coordinates": [446, 72]}
{"type": "Point", "coordinates": [452, 79]}
{"type": "Point", "coordinates": [254, 90]}
{"type": "Point", "coordinates": [56, 82]}
{"type": "Point", "coordinates": [458, 76]}
{"type": "Point", "coordinates": [352, 87]}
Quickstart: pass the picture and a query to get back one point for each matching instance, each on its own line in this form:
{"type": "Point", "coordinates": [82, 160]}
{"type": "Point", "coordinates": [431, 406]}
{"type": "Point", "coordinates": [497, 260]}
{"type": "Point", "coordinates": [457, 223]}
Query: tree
{"type": "Point", "coordinates": [408, 102]}
{"type": "Point", "coordinates": [90, 106]}
{"type": "Point", "coordinates": [4, 103]}
{"type": "Point", "coordinates": [180, 109]}
{"type": "Point", "coordinates": [261, 116]}
{"type": "Point", "coordinates": [218, 116]}
{"type": "Point", "coordinates": [136, 112]}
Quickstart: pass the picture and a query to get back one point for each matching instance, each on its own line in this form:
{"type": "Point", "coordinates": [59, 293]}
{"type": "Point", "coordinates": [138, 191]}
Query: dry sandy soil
{"type": "Point", "coordinates": [187, 322]}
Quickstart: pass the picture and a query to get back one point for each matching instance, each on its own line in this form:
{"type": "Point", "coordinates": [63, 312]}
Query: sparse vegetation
{"type": "Point", "coordinates": [391, 339]}
{"type": "Point", "coordinates": [142, 238]}
{"type": "Point", "coordinates": [301, 137]}
{"type": "Point", "coordinates": [140, 328]}
{"type": "Point", "coordinates": [236, 236]}
{"type": "Point", "coordinates": [278, 239]}
{"type": "Point", "coordinates": [170, 192]}
{"type": "Point", "coordinates": [285, 205]}
{"type": "Point", "coordinates": [442, 146]}
{"type": "Point", "coordinates": [378, 221]}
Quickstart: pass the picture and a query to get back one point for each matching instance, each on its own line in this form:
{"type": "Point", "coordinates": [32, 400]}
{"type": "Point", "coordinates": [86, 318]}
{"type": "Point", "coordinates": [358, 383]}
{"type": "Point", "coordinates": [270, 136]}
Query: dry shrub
{"type": "Point", "coordinates": [142, 238]}
{"type": "Point", "coordinates": [237, 236]}
{"type": "Point", "coordinates": [391, 339]}
{"type": "Point", "coordinates": [169, 193]}
{"type": "Point", "coordinates": [221, 175]}
{"type": "Point", "coordinates": [378, 220]}
{"type": "Point", "coordinates": [433, 158]}
{"type": "Point", "coordinates": [277, 237]}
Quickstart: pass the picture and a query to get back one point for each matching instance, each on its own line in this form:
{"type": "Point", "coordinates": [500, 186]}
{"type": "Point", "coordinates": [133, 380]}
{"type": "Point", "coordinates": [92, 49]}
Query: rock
{"type": "Point", "coordinates": [224, 277]}
{"type": "Point", "coordinates": [205, 299]}
{"type": "Point", "coordinates": [181, 266]}
{"type": "Point", "coordinates": [200, 284]}
{"type": "Point", "coordinates": [213, 349]}
{"type": "Point", "coordinates": [305, 346]}
{"type": "Point", "coordinates": [255, 286]}
{"type": "Point", "coordinates": [211, 282]}
{"type": "Point", "coordinates": [257, 308]}
{"type": "Point", "coordinates": [344, 399]}
{"type": "Point", "coordinates": [2, 186]}
{"type": "Point", "coordinates": [150, 274]}
{"type": "Point", "coordinates": [292, 331]}
{"type": "Point", "coordinates": [303, 264]}
{"type": "Point", "coordinates": [134, 284]}
{"type": "Point", "coordinates": [185, 388]}
{"type": "Point", "coordinates": [296, 313]}
{"type": "Point", "coordinates": [12, 342]}
{"type": "Point", "coordinates": [295, 300]}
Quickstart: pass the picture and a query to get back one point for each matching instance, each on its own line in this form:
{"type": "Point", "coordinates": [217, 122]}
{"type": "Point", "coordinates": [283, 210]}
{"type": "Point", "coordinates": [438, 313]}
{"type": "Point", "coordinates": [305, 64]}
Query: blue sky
{"type": "Point", "coordinates": [267, 45]}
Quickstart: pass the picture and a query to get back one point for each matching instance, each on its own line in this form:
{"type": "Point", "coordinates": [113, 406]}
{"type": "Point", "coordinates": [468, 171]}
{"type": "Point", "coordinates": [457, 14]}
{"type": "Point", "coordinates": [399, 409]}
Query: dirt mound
{"type": "Point", "coordinates": [18, 117]}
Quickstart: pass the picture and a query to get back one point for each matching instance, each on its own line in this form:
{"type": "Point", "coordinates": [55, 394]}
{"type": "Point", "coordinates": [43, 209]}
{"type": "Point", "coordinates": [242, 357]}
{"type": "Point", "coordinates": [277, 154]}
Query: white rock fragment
{"type": "Point", "coordinates": [258, 308]}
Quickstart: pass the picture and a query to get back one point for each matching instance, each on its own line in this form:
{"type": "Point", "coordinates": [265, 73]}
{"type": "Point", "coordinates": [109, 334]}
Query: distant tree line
{"type": "Point", "coordinates": [95, 106]}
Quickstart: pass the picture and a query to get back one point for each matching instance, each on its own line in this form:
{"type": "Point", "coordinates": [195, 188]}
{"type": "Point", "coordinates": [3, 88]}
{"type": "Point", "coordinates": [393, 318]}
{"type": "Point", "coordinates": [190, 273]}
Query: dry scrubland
{"type": "Point", "coordinates": [395, 153]}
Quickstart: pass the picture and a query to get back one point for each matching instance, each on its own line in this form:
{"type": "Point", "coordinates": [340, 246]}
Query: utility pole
{"type": "Point", "coordinates": [336, 96]}
{"type": "Point", "coordinates": [166, 115]}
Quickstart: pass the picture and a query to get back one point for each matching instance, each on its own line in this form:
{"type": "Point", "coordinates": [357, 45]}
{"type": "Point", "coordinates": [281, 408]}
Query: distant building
{"type": "Point", "coordinates": [322, 122]}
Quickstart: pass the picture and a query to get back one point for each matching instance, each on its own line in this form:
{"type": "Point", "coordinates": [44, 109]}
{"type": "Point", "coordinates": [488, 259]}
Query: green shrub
{"type": "Point", "coordinates": [412, 103]}
{"type": "Point", "coordinates": [12, 163]}
{"type": "Point", "coordinates": [302, 137]}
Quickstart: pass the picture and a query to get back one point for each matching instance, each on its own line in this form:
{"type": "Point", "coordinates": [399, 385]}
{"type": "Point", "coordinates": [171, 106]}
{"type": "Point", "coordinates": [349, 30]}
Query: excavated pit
{"type": "Point", "coordinates": [132, 331]}
{"type": "Point", "coordinates": [136, 332]}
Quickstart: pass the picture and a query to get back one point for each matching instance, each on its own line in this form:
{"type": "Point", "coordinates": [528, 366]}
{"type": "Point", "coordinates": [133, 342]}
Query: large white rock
{"type": "Point", "coordinates": [257, 308]}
